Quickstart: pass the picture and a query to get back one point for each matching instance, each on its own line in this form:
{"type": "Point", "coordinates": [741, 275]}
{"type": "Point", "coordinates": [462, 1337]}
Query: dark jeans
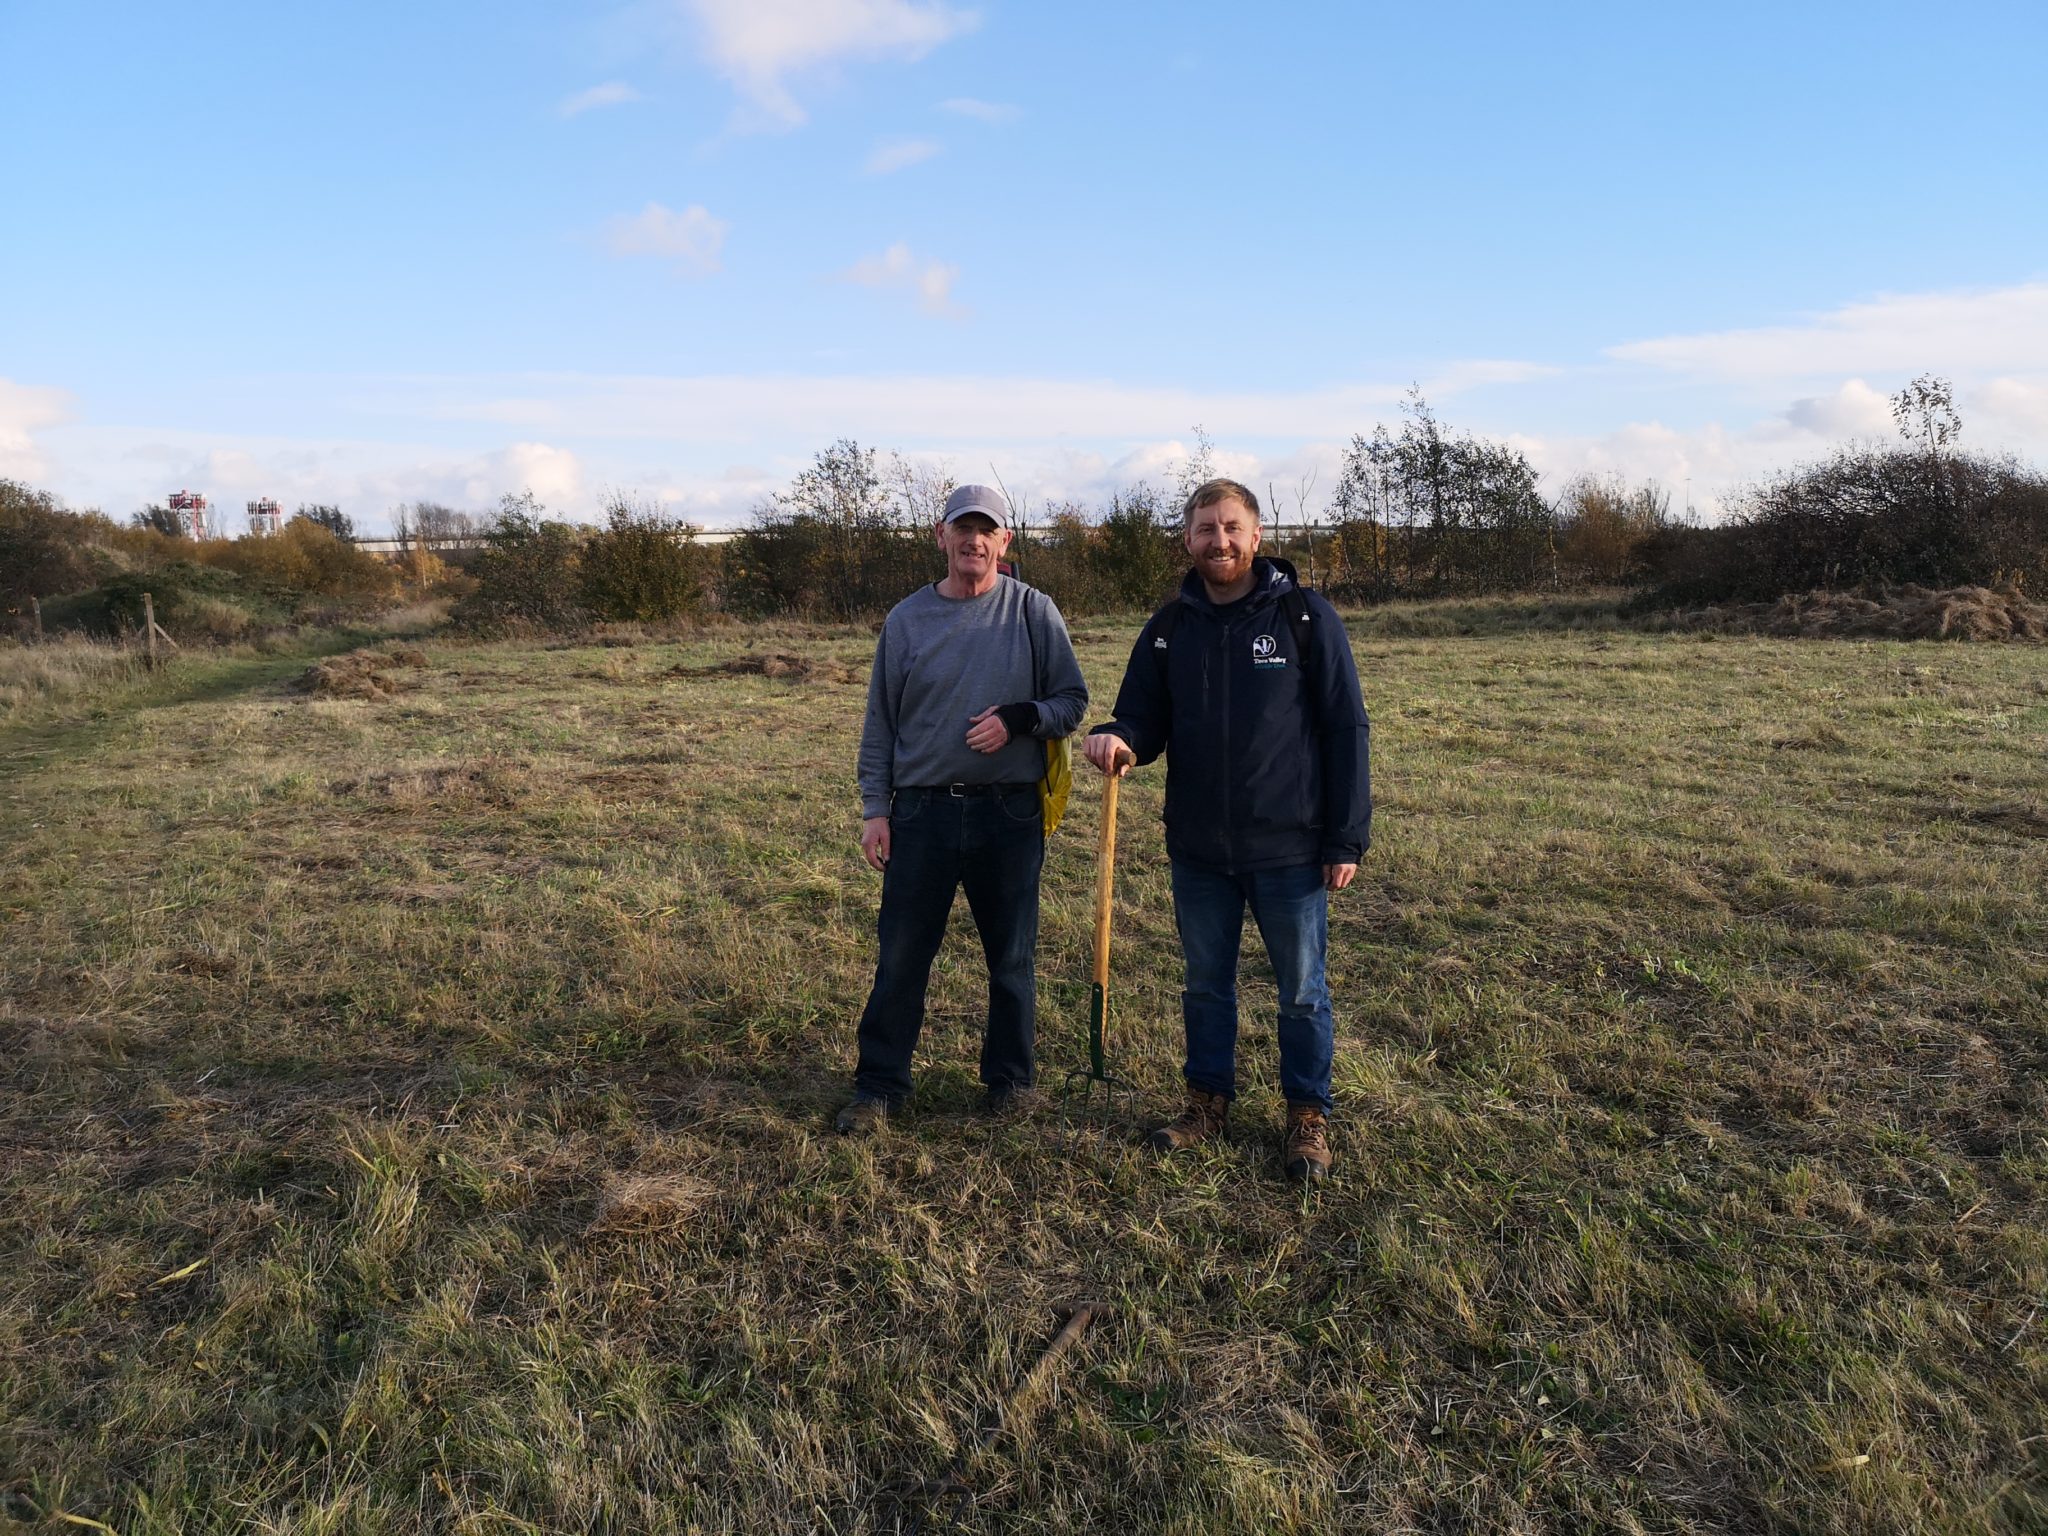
{"type": "Point", "coordinates": [1293, 914]}
{"type": "Point", "coordinates": [994, 846]}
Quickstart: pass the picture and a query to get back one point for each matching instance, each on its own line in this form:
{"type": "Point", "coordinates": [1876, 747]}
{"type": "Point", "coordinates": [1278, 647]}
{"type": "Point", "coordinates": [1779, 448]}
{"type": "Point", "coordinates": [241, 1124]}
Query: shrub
{"type": "Point", "coordinates": [838, 541]}
{"type": "Point", "coordinates": [527, 572]}
{"type": "Point", "coordinates": [191, 600]}
{"type": "Point", "coordinates": [800, 563]}
{"type": "Point", "coordinates": [1139, 548]}
{"type": "Point", "coordinates": [421, 570]}
{"type": "Point", "coordinates": [46, 551]}
{"type": "Point", "coordinates": [1064, 561]}
{"type": "Point", "coordinates": [1603, 526]}
{"type": "Point", "coordinates": [1430, 511]}
{"type": "Point", "coordinates": [1867, 518]}
{"type": "Point", "coordinates": [303, 559]}
{"type": "Point", "coordinates": [645, 566]}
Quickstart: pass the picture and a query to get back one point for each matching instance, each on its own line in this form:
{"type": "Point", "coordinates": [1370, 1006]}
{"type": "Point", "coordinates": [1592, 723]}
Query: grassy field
{"type": "Point", "coordinates": [415, 1112]}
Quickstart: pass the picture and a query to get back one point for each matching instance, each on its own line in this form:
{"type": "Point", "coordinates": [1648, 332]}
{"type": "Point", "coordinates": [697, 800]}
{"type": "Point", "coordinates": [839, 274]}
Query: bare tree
{"type": "Point", "coordinates": [920, 490]}
{"type": "Point", "coordinates": [434, 526]}
{"type": "Point", "coordinates": [1196, 469]}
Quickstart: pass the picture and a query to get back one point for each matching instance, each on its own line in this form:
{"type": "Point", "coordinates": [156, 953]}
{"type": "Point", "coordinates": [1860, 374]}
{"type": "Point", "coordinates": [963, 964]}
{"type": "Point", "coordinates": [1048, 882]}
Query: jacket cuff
{"type": "Point", "coordinates": [1020, 720]}
{"type": "Point", "coordinates": [870, 809]}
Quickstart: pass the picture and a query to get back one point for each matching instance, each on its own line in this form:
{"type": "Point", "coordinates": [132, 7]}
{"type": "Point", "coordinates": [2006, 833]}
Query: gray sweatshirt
{"type": "Point", "coordinates": [941, 661]}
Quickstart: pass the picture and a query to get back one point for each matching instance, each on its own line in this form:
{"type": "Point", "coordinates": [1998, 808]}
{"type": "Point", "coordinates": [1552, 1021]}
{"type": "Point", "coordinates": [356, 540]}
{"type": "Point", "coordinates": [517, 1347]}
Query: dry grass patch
{"type": "Point", "coordinates": [469, 1064]}
{"type": "Point", "coordinates": [642, 1202]}
{"type": "Point", "coordinates": [59, 670]}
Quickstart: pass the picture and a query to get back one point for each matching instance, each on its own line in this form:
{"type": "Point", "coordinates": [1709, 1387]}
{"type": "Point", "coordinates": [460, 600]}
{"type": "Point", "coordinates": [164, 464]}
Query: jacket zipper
{"type": "Point", "coordinates": [1229, 766]}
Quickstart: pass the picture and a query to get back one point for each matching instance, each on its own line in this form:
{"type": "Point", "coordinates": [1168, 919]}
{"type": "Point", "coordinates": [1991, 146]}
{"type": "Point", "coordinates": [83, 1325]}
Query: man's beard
{"type": "Point", "coordinates": [1224, 572]}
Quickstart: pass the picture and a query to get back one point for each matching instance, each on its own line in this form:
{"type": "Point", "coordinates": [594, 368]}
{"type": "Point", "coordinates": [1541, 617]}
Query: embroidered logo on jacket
{"type": "Point", "coordinates": [1262, 653]}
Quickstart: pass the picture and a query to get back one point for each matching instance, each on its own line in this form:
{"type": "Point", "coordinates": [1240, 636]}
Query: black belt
{"type": "Point", "coordinates": [962, 791]}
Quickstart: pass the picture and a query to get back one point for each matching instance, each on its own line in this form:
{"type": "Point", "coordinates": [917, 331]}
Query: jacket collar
{"type": "Point", "coordinates": [1272, 578]}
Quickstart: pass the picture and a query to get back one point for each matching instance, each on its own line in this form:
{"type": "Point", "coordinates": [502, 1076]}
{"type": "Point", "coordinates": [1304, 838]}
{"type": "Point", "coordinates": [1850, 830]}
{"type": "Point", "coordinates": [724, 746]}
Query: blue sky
{"type": "Point", "coordinates": [384, 252]}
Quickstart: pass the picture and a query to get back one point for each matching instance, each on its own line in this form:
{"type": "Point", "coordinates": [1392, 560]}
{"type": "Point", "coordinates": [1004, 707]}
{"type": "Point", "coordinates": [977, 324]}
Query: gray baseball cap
{"type": "Point", "coordinates": [985, 499]}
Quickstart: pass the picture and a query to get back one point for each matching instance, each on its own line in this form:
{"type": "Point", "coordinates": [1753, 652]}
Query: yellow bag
{"type": "Point", "coordinates": [1057, 784]}
{"type": "Point", "coordinates": [1058, 780]}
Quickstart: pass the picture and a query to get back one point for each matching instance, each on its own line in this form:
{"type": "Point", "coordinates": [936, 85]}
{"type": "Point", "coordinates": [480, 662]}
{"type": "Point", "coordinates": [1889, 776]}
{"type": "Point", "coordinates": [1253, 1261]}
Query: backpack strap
{"type": "Point", "coordinates": [1167, 621]}
{"type": "Point", "coordinates": [1298, 615]}
{"type": "Point", "coordinates": [1031, 638]}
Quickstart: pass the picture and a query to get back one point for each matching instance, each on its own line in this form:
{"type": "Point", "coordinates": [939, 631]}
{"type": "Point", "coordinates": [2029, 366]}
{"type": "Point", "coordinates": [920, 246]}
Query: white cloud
{"type": "Point", "coordinates": [2018, 406]}
{"type": "Point", "coordinates": [760, 44]}
{"type": "Point", "coordinates": [1954, 334]}
{"type": "Point", "coordinates": [365, 479]}
{"type": "Point", "coordinates": [981, 111]}
{"type": "Point", "coordinates": [899, 154]}
{"type": "Point", "coordinates": [1715, 457]}
{"type": "Point", "coordinates": [900, 409]}
{"type": "Point", "coordinates": [554, 475]}
{"type": "Point", "coordinates": [1470, 373]}
{"type": "Point", "coordinates": [692, 239]}
{"type": "Point", "coordinates": [711, 447]}
{"type": "Point", "coordinates": [1854, 410]}
{"type": "Point", "coordinates": [611, 94]}
{"type": "Point", "coordinates": [25, 409]}
{"type": "Point", "coordinates": [896, 268]}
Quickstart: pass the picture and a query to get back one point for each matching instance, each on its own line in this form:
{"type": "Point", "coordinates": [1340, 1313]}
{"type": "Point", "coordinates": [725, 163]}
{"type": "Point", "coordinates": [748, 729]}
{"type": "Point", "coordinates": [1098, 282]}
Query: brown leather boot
{"type": "Point", "coordinates": [1203, 1118]}
{"type": "Point", "coordinates": [1306, 1148]}
{"type": "Point", "coordinates": [864, 1116]}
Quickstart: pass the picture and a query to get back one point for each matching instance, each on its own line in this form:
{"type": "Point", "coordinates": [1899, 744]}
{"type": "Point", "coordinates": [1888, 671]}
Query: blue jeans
{"type": "Point", "coordinates": [1293, 914]}
{"type": "Point", "coordinates": [993, 845]}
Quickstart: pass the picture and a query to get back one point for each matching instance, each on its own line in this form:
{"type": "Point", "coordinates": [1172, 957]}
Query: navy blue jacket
{"type": "Point", "coordinates": [1267, 750]}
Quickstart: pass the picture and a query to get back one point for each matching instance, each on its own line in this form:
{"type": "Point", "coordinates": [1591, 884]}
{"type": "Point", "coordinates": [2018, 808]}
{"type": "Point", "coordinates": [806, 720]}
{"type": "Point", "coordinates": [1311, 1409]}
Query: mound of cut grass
{"type": "Point", "coordinates": [783, 665]}
{"type": "Point", "coordinates": [363, 674]}
{"type": "Point", "coordinates": [1909, 613]}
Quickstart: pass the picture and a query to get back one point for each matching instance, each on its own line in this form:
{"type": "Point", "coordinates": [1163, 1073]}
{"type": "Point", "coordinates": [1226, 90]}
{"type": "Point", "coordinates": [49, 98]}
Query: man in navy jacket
{"type": "Point", "coordinates": [1245, 681]}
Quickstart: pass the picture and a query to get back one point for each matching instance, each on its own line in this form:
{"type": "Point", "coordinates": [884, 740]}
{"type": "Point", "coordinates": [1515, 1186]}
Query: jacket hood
{"type": "Point", "coordinates": [1272, 577]}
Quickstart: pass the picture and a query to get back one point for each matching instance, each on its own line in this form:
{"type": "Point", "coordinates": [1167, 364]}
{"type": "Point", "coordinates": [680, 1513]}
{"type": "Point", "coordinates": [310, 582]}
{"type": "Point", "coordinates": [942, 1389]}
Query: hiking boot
{"type": "Point", "coordinates": [1011, 1101]}
{"type": "Point", "coordinates": [1306, 1148]}
{"type": "Point", "coordinates": [1203, 1118]}
{"type": "Point", "coordinates": [864, 1116]}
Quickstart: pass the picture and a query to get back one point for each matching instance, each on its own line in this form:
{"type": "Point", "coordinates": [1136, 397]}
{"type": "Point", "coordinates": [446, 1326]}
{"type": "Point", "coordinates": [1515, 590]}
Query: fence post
{"type": "Point", "coordinates": [149, 628]}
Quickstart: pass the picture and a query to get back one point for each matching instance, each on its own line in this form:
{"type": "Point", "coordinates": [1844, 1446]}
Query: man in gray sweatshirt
{"type": "Point", "coordinates": [973, 674]}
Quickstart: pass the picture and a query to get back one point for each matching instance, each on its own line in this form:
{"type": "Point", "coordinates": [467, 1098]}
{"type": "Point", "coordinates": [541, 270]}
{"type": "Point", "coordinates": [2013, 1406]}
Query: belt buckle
{"type": "Point", "coordinates": [957, 791]}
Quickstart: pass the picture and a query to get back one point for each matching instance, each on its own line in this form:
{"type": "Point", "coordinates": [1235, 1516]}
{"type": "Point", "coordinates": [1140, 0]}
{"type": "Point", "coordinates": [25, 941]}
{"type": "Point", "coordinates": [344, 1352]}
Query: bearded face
{"type": "Point", "coordinates": [1222, 538]}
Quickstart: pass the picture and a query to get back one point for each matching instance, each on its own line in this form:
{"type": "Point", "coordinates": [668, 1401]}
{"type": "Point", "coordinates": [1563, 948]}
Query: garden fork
{"type": "Point", "coordinates": [1094, 1091]}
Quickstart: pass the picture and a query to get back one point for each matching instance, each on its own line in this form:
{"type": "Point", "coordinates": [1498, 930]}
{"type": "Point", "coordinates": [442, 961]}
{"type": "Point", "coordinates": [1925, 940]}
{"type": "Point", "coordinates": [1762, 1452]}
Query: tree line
{"type": "Point", "coordinates": [1418, 510]}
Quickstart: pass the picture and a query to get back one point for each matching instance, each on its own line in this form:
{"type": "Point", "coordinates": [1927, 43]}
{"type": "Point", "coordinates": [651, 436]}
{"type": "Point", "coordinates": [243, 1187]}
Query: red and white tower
{"type": "Point", "coordinates": [192, 509]}
{"type": "Point", "coordinates": [265, 517]}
